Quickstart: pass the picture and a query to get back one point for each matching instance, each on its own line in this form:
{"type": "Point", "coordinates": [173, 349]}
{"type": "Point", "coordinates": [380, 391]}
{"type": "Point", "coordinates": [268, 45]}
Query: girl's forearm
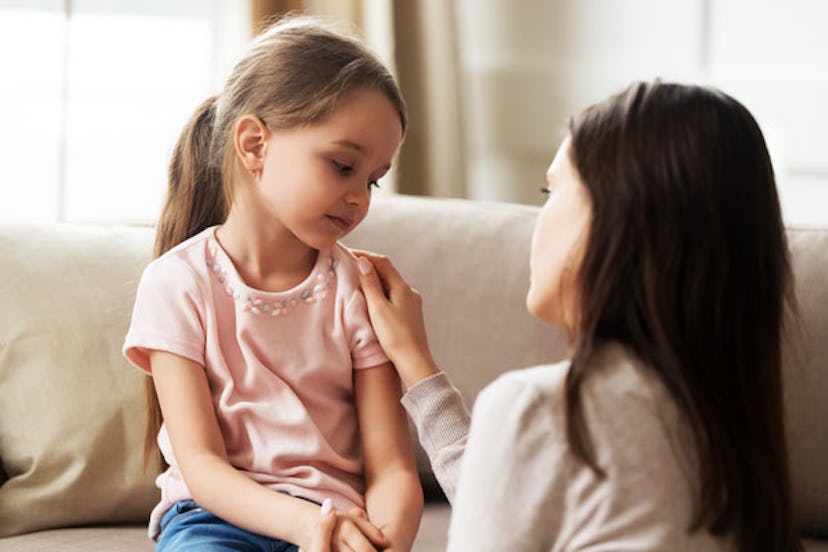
{"type": "Point", "coordinates": [226, 492]}
{"type": "Point", "coordinates": [394, 502]}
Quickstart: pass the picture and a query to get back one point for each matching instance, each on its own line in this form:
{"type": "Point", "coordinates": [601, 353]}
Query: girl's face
{"type": "Point", "coordinates": [558, 244]}
{"type": "Point", "coordinates": [316, 180]}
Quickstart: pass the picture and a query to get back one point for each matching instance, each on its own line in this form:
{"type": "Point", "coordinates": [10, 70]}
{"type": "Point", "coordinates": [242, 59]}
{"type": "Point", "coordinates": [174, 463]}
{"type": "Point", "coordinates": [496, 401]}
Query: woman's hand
{"type": "Point", "coordinates": [396, 311]}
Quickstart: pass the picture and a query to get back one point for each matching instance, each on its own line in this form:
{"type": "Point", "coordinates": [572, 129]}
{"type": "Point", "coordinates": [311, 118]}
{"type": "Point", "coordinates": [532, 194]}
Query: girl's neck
{"type": "Point", "coordinates": [267, 256]}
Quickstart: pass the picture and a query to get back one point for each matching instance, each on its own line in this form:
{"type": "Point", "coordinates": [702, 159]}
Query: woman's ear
{"type": "Point", "coordinates": [250, 139]}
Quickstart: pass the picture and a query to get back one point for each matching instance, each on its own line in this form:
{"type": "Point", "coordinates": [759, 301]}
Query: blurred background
{"type": "Point", "coordinates": [93, 93]}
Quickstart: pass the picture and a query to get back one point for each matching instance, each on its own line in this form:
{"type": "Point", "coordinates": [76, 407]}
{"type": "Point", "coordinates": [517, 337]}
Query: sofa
{"type": "Point", "coordinates": [72, 412]}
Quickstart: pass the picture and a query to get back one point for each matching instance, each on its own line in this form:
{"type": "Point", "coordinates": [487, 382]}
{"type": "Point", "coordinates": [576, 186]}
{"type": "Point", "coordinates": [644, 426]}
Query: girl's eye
{"type": "Point", "coordinates": [342, 167]}
{"type": "Point", "coordinates": [373, 184]}
{"type": "Point", "coordinates": [545, 190]}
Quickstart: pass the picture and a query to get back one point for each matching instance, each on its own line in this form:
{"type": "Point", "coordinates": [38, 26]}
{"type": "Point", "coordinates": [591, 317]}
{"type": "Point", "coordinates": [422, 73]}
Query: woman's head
{"type": "Point", "coordinates": [558, 243]}
{"type": "Point", "coordinates": [685, 213]}
{"type": "Point", "coordinates": [294, 74]}
{"type": "Point", "coordinates": [684, 261]}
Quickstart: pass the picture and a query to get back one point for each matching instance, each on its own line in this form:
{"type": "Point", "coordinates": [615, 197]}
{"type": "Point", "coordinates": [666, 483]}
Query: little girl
{"type": "Point", "coordinates": [274, 392]}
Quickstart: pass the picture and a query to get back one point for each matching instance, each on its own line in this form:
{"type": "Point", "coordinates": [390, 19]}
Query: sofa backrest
{"type": "Point", "coordinates": [71, 409]}
{"type": "Point", "coordinates": [470, 261]}
{"type": "Point", "coordinates": [805, 358]}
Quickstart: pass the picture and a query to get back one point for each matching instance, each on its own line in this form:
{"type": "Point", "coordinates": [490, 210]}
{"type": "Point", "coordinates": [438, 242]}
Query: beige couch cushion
{"type": "Point", "coordinates": [806, 380]}
{"type": "Point", "coordinates": [470, 260]}
{"type": "Point", "coordinates": [71, 409]}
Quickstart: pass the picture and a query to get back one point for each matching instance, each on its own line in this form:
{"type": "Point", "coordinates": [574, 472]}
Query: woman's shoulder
{"type": "Point", "coordinates": [629, 408]}
{"type": "Point", "coordinates": [524, 396]}
{"type": "Point", "coordinates": [618, 387]}
{"type": "Point", "coordinates": [541, 380]}
{"type": "Point", "coordinates": [617, 377]}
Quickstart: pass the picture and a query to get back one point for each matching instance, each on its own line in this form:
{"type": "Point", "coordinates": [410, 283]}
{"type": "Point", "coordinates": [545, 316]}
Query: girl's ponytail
{"type": "Point", "coordinates": [195, 196]}
{"type": "Point", "coordinates": [195, 201]}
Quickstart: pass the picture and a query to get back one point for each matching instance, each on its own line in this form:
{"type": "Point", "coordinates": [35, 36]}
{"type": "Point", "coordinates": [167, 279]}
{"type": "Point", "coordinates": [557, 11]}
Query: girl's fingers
{"type": "Point", "coordinates": [371, 531]}
{"type": "Point", "coordinates": [359, 517]}
{"type": "Point", "coordinates": [321, 541]}
{"type": "Point", "coordinates": [358, 539]}
{"type": "Point", "coordinates": [359, 512]}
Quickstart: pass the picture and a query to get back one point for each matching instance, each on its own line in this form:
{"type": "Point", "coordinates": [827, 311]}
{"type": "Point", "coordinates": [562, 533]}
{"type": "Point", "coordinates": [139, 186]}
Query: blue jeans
{"type": "Point", "coordinates": [186, 526]}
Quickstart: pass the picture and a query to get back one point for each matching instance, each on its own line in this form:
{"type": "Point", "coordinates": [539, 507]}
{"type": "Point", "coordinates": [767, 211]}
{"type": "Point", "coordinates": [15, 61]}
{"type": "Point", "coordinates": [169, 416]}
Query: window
{"type": "Point", "coordinates": [772, 56]}
{"type": "Point", "coordinates": [526, 70]}
{"type": "Point", "coordinates": [93, 95]}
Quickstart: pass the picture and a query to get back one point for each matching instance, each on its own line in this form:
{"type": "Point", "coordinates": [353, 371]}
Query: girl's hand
{"type": "Point", "coordinates": [321, 541]}
{"type": "Point", "coordinates": [351, 532]}
{"type": "Point", "coordinates": [396, 311]}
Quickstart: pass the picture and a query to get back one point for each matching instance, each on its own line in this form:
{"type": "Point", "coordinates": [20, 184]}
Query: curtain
{"type": "Point", "coordinates": [432, 160]}
{"type": "Point", "coordinates": [262, 11]}
{"type": "Point", "coordinates": [417, 40]}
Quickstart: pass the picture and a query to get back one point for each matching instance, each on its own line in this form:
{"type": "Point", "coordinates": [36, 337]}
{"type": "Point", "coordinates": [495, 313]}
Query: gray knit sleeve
{"type": "Point", "coordinates": [442, 420]}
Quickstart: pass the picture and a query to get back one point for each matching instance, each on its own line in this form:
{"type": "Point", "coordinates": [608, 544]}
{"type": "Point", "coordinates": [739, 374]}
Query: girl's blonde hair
{"type": "Point", "coordinates": [294, 74]}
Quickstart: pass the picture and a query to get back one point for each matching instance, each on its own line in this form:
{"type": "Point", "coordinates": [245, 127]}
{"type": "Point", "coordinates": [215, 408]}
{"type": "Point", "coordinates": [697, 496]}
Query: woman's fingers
{"type": "Point", "coordinates": [397, 317]}
{"type": "Point", "coordinates": [372, 287]}
{"type": "Point", "coordinates": [386, 270]}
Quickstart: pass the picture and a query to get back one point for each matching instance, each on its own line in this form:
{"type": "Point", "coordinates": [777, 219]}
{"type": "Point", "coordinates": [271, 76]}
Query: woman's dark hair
{"type": "Point", "coordinates": [686, 264]}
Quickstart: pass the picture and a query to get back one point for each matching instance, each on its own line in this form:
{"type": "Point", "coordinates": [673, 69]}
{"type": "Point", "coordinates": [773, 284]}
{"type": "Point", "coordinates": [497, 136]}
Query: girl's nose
{"type": "Point", "coordinates": [359, 195]}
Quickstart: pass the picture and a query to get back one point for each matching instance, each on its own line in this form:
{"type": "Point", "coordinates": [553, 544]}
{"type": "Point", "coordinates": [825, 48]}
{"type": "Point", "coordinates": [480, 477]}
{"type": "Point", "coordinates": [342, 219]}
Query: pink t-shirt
{"type": "Point", "coordinates": [280, 366]}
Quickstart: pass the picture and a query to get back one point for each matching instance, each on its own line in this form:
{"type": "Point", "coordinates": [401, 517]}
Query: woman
{"type": "Point", "coordinates": [661, 250]}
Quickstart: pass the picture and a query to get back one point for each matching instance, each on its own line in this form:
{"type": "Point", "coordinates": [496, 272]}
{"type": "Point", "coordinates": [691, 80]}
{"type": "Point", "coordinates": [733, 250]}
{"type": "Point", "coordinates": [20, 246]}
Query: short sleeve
{"type": "Point", "coordinates": [365, 349]}
{"type": "Point", "coordinates": [167, 315]}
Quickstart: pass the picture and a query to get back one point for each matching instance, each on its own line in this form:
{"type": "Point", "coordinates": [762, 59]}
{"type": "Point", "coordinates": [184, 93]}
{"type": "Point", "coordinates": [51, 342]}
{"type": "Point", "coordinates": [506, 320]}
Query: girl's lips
{"type": "Point", "coordinates": [343, 223]}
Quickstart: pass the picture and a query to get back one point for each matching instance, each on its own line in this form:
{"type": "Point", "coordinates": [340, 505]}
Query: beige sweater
{"type": "Point", "coordinates": [515, 485]}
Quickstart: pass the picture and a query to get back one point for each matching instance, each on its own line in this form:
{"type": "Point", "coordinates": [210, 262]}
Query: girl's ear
{"type": "Point", "coordinates": [250, 138]}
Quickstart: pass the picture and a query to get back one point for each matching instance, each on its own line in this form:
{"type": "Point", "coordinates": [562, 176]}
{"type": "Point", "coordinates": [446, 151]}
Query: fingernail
{"type": "Point", "coordinates": [364, 265]}
{"type": "Point", "coordinates": [326, 508]}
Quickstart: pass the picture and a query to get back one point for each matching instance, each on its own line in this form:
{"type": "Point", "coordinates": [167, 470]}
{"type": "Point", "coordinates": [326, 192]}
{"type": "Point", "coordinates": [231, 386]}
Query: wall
{"type": "Point", "coordinates": [527, 65]}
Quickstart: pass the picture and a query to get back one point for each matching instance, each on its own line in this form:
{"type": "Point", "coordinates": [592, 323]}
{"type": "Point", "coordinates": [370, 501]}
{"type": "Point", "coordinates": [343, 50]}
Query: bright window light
{"type": "Point", "coordinates": [94, 94]}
